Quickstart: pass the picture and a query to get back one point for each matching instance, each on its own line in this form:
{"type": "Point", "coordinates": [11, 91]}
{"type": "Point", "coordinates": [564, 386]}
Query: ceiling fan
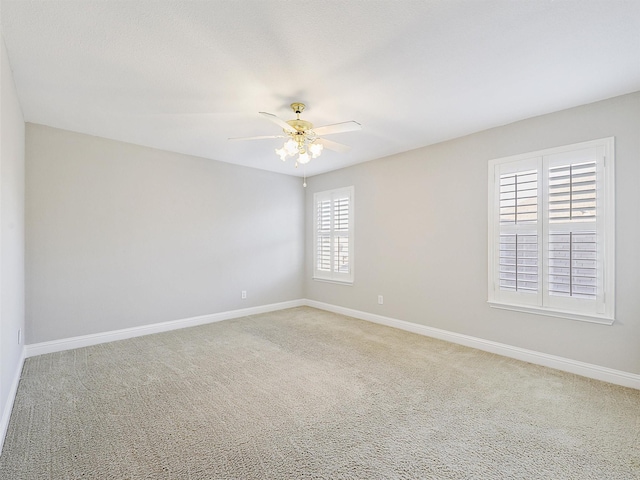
{"type": "Point", "coordinates": [303, 139]}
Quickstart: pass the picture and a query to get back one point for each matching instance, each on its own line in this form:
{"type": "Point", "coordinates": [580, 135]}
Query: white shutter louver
{"type": "Point", "coordinates": [519, 197]}
{"type": "Point", "coordinates": [519, 262]}
{"type": "Point", "coordinates": [572, 192]}
{"type": "Point", "coordinates": [573, 264]}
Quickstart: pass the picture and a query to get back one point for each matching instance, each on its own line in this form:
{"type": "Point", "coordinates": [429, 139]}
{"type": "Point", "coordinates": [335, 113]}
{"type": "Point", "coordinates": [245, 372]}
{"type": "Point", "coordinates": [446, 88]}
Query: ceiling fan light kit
{"type": "Point", "coordinates": [303, 140]}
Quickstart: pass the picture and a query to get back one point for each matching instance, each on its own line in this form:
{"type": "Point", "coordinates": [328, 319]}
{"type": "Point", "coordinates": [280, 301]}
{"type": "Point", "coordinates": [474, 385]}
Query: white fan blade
{"type": "Point", "coordinates": [337, 128]}
{"type": "Point", "coordinates": [335, 146]}
{"type": "Point", "coordinates": [278, 121]}
{"type": "Point", "coordinates": [260, 137]}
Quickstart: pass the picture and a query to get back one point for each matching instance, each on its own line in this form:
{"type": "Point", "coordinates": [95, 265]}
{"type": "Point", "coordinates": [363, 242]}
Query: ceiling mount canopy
{"type": "Point", "coordinates": [303, 140]}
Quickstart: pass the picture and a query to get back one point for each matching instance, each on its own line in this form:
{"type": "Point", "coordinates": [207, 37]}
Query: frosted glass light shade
{"type": "Point", "coordinates": [304, 158]}
{"type": "Point", "coordinates": [291, 147]}
{"type": "Point", "coordinates": [315, 149]}
{"type": "Point", "coordinates": [282, 153]}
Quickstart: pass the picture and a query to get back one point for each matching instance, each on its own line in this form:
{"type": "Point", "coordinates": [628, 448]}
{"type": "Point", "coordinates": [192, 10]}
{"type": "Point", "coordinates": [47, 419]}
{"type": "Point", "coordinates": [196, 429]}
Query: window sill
{"type": "Point", "coordinates": [338, 282]}
{"type": "Point", "coordinates": [602, 320]}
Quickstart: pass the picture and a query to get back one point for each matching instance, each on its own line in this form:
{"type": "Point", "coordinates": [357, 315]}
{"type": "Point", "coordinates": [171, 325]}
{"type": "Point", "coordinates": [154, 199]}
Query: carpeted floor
{"type": "Point", "coordinates": [302, 394]}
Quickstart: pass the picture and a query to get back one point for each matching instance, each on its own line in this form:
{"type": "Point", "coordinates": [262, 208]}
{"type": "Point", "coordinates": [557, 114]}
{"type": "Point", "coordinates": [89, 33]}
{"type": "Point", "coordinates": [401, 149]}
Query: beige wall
{"type": "Point", "coordinates": [11, 233]}
{"type": "Point", "coordinates": [421, 236]}
{"type": "Point", "coordinates": [121, 236]}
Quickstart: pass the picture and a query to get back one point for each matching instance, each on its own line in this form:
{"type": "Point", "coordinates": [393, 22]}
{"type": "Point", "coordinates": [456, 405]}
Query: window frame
{"type": "Point", "coordinates": [602, 309]}
{"type": "Point", "coordinates": [333, 276]}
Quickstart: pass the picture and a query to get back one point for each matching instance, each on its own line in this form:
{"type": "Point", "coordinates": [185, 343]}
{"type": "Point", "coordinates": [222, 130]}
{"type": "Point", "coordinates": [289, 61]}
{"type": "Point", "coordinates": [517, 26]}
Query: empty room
{"type": "Point", "coordinates": [320, 239]}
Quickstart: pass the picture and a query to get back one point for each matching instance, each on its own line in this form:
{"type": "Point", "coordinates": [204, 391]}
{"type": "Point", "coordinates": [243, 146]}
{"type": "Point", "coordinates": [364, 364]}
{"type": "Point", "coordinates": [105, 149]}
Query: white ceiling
{"type": "Point", "coordinates": [185, 76]}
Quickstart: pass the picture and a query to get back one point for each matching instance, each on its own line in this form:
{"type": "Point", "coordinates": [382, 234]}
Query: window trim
{"type": "Point", "coordinates": [604, 226]}
{"type": "Point", "coordinates": [334, 277]}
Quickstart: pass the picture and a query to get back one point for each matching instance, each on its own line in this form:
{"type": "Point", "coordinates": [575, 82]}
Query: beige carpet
{"type": "Point", "coordinates": [301, 394]}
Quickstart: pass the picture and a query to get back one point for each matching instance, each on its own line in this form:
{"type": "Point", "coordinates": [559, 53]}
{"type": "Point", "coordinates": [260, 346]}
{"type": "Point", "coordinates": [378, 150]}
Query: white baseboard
{"type": "Point", "coordinates": [104, 337]}
{"type": "Point", "coordinates": [8, 408]}
{"type": "Point", "coordinates": [597, 372]}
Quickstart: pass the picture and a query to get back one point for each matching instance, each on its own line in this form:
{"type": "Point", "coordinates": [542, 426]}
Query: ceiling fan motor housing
{"type": "Point", "coordinates": [300, 125]}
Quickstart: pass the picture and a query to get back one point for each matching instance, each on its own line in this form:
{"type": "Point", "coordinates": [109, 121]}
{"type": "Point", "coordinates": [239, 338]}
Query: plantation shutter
{"type": "Point", "coordinates": [323, 235]}
{"type": "Point", "coordinates": [341, 235]}
{"type": "Point", "coordinates": [574, 241]}
{"type": "Point", "coordinates": [518, 258]}
{"type": "Point", "coordinates": [333, 249]}
{"type": "Point", "coordinates": [551, 231]}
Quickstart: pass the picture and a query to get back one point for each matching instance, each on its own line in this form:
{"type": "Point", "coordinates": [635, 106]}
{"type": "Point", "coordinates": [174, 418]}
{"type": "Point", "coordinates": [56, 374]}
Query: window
{"type": "Point", "coordinates": [551, 232]}
{"type": "Point", "coordinates": [333, 235]}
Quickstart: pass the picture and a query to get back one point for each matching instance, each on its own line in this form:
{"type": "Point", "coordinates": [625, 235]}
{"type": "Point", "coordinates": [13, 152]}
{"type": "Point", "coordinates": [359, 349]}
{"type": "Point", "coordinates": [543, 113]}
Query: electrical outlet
{"type": "Point", "coordinates": [244, 294]}
{"type": "Point", "coordinates": [380, 300]}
